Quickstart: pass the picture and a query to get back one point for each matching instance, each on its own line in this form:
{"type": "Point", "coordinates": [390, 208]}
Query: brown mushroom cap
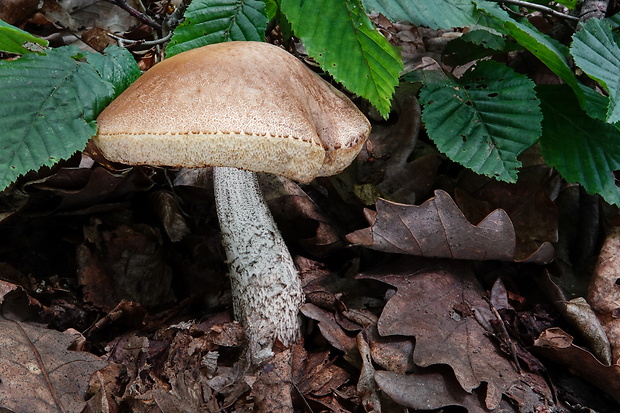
{"type": "Point", "coordinates": [248, 105]}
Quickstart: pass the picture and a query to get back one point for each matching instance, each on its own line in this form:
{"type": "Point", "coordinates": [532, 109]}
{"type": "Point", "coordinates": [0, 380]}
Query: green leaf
{"type": "Point", "coordinates": [483, 120]}
{"type": "Point", "coordinates": [598, 55]}
{"type": "Point", "coordinates": [47, 111]}
{"type": "Point", "coordinates": [436, 14]}
{"type": "Point", "coordinates": [216, 21]}
{"type": "Point", "coordinates": [15, 40]}
{"type": "Point", "coordinates": [551, 52]}
{"type": "Point", "coordinates": [341, 38]}
{"type": "Point", "coordinates": [582, 149]}
{"type": "Point", "coordinates": [475, 45]}
{"type": "Point", "coordinates": [570, 4]}
{"type": "Point", "coordinates": [117, 66]}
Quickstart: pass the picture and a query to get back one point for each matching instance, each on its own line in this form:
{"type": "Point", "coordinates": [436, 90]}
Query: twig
{"type": "Point", "coordinates": [147, 43]}
{"type": "Point", "coordinates": [539, 7]}
{"type": "Point", "coordinates": [137, 14]}
{"type": "Point", "coordinates": [176, 17]}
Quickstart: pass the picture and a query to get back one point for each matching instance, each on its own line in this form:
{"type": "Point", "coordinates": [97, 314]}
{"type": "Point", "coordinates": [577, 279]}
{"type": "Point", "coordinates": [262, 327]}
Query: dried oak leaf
{"type": "Point", "coordinates": [437, 228]}
{"type": "Point", "coordinates": [38, 373]}
{"type": "Point", "coordinates": [604, 293]}
{"type": "Point", "coordinates": [557, 345]}
{"type": "Point", "coordinates": [436, 302]}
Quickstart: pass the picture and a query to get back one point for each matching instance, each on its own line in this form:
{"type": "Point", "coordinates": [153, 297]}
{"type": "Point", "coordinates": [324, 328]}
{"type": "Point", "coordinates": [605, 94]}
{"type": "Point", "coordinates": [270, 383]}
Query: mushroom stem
{"type": "Point", "coordinates": [266, 288]}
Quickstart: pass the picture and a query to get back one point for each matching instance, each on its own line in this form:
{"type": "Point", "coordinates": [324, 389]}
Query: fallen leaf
{"type": "Point", "coordinates": [427, 390]}
{"type": "Point", "coordinates": [436, 302]}
{"type": "Point", "coordinates": [437, 228]}
{"type": "Point", "coordinates": [366, 386]}
{"type": "Point", "coordinates": [299, 217]}
{"type": "Point", "coordinates": [38, 373]}
{"type": "Point", "coordinates": [318, 378]}
{"type": "Point", "coordinates": [604, 291]}
{"type": "Point", "coordinates": [558, 345]}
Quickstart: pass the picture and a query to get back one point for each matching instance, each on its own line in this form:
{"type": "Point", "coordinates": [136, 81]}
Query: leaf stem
{"type": "Point", "coordinates": [539, 7]}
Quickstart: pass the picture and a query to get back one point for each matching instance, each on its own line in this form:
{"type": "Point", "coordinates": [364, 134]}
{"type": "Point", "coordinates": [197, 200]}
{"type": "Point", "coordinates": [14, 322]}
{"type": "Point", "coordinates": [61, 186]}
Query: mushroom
{"type": "Point", "coordinates": [242, 107]}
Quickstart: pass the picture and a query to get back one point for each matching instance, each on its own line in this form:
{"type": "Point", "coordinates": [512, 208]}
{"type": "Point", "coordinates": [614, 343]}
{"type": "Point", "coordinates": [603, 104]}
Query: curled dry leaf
{"type": "Point", "coordinates": [604, 291]}
{"type": "Point", "coordinates": [366, 385]}
{"type": "Point", "coordinates": [581, 315]}
{"type": "Point", "coordinates": [426, 391]}
{"type": "Point", "coordinates": [437, 228]}
{"type": "Point", "coordinates": [296, 213]}
{"type": "Point", "coordinates": [558, 345]}
{"type": "Point", "coordinates": [436, 302]}
{"type": "Point", "coordinates": [39, 373]}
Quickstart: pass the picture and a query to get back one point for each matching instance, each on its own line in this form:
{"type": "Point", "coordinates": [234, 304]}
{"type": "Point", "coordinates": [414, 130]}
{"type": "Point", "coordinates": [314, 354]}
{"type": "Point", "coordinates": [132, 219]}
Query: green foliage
{"type": "Point", "coordinates": [216, 21]}
{"type": "Point", "coordinates": [15, 40]}
{"type": "Point", "coordinates": [49, 104]}
{"type": "Point", "coordinates": [596, 52]}
{"type": "Point", "coordinates": [483, 120]}
{"type": "Point", "coordinates": [434, 14]}
{"type": "Point", "coordinates": [582, 149]}
{"type": "Point", "coordinates": [343, 40]}
{"type": "Point", "coordinates": [115, 66]}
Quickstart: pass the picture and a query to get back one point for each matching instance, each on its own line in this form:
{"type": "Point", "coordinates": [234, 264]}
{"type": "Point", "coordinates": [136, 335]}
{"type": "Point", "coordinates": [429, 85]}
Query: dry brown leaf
{"type": "Point", "coordinates": [318, 379]}
{"type": "Point", "coordinates": [604, 291]}
{"type": "Point", "coordinates": [426, 391]}
{"type": "Point", "coordinates": [39, 373]}
{"type": "Point", "coordinates": [272, 389]}
{"type": "Point", "coordinates": [436, 301]}
{"type": "Point", "coordinates": [437, 228]}
{"type": "Point", "coordinates": [579, 312]}
{"type": "Point", "coordinates": [366, 386]}
{"type": "Point", "coordinates": [299, 217]}
{"type": "Point", "coordinates": [558, 345]}
{"type": "Point", "coordinates": [330, 329]}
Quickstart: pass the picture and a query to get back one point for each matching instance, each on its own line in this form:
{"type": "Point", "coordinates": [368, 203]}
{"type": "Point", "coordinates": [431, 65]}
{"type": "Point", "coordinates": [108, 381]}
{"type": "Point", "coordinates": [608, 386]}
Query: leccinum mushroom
{"type": "Point", "coordinates": [241, 107]}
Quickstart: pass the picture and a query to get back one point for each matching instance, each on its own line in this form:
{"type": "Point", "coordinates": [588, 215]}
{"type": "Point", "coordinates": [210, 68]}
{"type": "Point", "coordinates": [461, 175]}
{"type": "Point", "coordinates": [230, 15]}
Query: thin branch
{"type": "Point", "coordinates": [539, 7]}
{"type": "Point", "coordinates": [146, 43]}
{"type": "Point", "coordinates": [176, 17]}
{"type": "Point", "coordinates": [137, 14]}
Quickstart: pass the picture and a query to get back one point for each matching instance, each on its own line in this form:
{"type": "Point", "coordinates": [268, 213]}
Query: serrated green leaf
{"type": "Point", "coordinates": [341, 38]}
{"type": "Point", "coordinates": [598, 55]}
{"type": "Point", "coordinates": [47, 111]}
{"type": "Point", "coordinates": [483, 120]}
{"type": "Point", "coordinates": [215, 21]}
{"type": "Point", "coordinates": [551, 52]}
{"type": "Point", "coordinates": [436, 14]}
{"type": "Point", "coordinates": [582, 149]}
{"type": "Point", "coordinates": [15, 40]}
{"type": "Point", "coordinates": [117, 66]}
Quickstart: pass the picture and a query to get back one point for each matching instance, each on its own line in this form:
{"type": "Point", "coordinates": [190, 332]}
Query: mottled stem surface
{"type": "Point", "coordinates": [266, 288]}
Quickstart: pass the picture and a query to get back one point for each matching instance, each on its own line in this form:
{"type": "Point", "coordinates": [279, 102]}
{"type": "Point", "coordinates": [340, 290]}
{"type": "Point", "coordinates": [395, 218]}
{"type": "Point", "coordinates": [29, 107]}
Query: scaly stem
{"type": "Point", "coordinates": [266, 288]}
